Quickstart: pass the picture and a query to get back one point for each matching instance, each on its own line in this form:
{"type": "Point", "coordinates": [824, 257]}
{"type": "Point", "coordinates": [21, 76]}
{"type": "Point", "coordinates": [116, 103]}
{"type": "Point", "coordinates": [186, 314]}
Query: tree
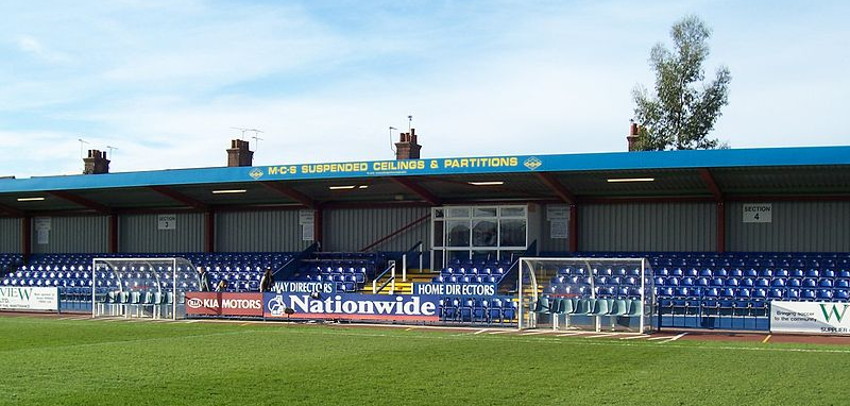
{"type": "Point", "coordinates": [679, 115]}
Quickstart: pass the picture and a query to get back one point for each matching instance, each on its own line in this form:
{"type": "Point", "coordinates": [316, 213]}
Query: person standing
{"type": "Point", "coordinates": [267, 281]}
{"type": "Point", "coordinates": [203, 281]}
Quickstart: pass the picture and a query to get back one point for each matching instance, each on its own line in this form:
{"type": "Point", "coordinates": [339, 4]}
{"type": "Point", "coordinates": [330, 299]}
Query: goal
{"type": "Point", "coordinates": [586, 294]}
{"type": "Point", "coordinates": [141, 287]}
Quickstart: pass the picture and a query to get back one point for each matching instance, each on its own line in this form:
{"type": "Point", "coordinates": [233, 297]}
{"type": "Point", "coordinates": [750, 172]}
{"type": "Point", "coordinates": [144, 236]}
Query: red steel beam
{"type": "Point", "coordinates": [418, 190]}
{"type": "Point", "coordinates": [179, 197]}
{"type": "Point", "coordinates": [11, 211]}
{"type": "Point", "coordinates": [706, 176]}
{"type": "Point", "coordinates": [291, 193]}
{"type": "Point", "coordinates": [557, 187]}
{"type": "Point", "coordinates": [89, 204]}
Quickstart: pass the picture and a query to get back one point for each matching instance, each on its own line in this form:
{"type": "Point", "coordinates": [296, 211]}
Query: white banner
{"type": "Point", "coordinates": [29, 298]}
{"type": "Point", "coordinates": [810, 317]}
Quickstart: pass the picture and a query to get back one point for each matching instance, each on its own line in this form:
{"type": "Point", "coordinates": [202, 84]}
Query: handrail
{"type": "Point", "coordinates": [296, 258]}
{"type": "Point", "coordinates": [515, 264]}
{"type": "Point", "coordinates": [404, 260]}
{"type": "Point", "coordinates": [390, 268]}
{"type": "Point", "coordinates": [395, 233]}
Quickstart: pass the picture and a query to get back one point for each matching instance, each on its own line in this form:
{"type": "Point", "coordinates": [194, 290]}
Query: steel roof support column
{"type": "Point", "coordinates": [209, 231]}
{"type": "Point", "coordinates": [26, 237]}
{"type": "Point", "coordinates": [112, 232]}
{"type": "Point", "coordinates": [573, 233]}
{"type": "Point", "coordinates": [567, 197]}
{"type": "Point", "coordinates": [721, 227]}
{"type": "Point", "coordinates": [318, 224]}
{"type": "Point", "coordinates": [719, 199]}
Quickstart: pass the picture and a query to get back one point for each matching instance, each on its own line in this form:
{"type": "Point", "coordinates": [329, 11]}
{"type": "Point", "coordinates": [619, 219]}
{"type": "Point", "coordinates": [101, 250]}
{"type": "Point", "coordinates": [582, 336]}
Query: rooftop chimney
{"type": "Point", "coordinates": [632, 138]}
{"type": "Point", "coordinates": [407, 147]}
{"type": "Point", "coordinates": [95, 163]}
{"type": "Point", "coordinates": [239, 155]}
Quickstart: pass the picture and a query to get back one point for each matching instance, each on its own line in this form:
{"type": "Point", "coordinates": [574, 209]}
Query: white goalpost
{"type": "Point", "coordinates": [141, 287]}
{"type": "Point", "coordinates": [586, 294]}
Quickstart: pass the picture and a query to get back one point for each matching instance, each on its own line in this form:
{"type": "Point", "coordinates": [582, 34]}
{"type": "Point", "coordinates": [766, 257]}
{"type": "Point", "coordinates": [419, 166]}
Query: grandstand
{"type": "Point", "coordinates": [725, 233]}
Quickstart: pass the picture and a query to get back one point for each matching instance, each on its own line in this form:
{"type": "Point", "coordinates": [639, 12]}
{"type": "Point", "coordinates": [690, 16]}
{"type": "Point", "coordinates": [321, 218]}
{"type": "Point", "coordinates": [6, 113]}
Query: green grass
{"type": "Point", "coordinates": [82, 362]}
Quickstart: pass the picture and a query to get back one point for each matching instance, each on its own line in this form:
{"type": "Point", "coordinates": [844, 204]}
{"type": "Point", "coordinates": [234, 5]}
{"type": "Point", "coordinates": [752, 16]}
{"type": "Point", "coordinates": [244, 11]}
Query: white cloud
{"type": "Point", "coordinates": [33, 46]}
{"type": "Point", "coordinates": [165, 82]}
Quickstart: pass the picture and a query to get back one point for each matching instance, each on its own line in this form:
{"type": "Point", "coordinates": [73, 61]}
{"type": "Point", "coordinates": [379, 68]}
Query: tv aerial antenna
{"type": "Point", "coordinates": [392, 144]}
{"type": "Point", "coordinates": [255, 137]}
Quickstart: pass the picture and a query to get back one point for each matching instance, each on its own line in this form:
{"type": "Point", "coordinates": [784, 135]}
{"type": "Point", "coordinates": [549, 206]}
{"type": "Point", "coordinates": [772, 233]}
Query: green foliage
{"type": "Point", "coordinates": [680, 114]}
{"type": "Point", "coordinates": [84, 362]}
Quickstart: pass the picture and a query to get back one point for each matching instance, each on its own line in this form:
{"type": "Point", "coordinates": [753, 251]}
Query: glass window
{"type": "Point", "coordinates": [438, 213]}
{"type": "Point", "coordinates": [458, 212]}
{"type": "Point", "coordinates": [484, 233]}
{"type": "Point", "coordinates": [484, 212]}
{"type": "Point", "coordinates": [438, 233]}
{"type": "Point", "coordinates": [458, 233]}
{"type": "Point", "coordinates": [512, 233]}
{"type": "Point", "coordinates": [515, 211]}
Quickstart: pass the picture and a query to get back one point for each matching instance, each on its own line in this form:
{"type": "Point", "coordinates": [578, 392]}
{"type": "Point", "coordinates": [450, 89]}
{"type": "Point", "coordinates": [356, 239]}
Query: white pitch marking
{"type": "Point", "coordinates": [634, 337]}
{"type": "Point", "coordinates": [660, 338]}
{"type": "Point", "coordinates": [533, 333]}
{"type": "Point", "coordinates": [676, 337]}
{"type": "Point", "coordinates": [497, 332]}
{"type": "Point", "coordinates": [479, 332]}
{"type": "Point", "coordinates": [569, 334]}
{"type": "Point", "coordinates": [600, 336]}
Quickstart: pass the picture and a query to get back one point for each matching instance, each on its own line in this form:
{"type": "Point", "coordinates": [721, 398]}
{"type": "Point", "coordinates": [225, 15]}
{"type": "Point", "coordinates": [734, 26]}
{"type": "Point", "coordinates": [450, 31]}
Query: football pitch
{"type": "Point", "coordinates": [49, 361]}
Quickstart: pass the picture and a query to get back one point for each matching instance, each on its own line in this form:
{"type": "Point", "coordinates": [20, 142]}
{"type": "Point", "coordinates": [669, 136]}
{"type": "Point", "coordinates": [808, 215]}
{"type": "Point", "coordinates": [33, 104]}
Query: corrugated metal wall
{"type": "Point", "coordinates": [10, 235]}
{"type": "Point", "coordinates": [648, 227]}
{"type": "Point", "coordinates": [546, 242]}
{"type": "Point", "coordinates": [265, 231]}
{"type": "Point", "coordinates": [84, 234]}
{"type": "Point", "coordinates": [354, 229]}
{"type": "Point", "coordinates": [795, 227]}
{"type": "Point", "coordinates": [140, 233]}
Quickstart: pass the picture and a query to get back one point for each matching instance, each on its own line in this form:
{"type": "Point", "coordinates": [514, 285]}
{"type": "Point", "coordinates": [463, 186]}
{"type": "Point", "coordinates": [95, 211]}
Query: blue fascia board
{"type": "Point", "coordinates": [611, 161]}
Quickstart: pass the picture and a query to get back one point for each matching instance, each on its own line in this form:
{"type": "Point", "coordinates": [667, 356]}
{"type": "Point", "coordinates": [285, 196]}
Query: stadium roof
{"type": "Point", "coordinates": [820, 173]}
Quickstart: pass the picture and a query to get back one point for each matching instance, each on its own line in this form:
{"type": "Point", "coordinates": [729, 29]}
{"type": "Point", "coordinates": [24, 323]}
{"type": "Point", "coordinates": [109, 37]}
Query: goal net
{"type": "Point", "coordinates": [586, 294]}
{"type": "Point", "coordinates": [141, 287]}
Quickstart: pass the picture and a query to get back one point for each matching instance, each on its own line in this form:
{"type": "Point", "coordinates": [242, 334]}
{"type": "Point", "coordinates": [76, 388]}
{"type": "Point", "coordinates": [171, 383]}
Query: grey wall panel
{"type": "Point", "coordinates": [139, 233]}
{"type": "Point", "coordinates": [795, 227]}
{"type": "Point", "coordinates": [648, 227]}
{"type": "Point", "coordinates": [10, 235]}
{"type": "Point", "coordinates": [546, 242]}
{"type": "Point", "coordinates": [264, 231]}
{"type": "Point", "coordinates": [84, 234]}
{"type": "Point", "coordinates": [354, 229]}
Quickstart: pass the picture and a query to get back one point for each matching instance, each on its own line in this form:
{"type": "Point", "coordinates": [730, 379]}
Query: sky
{"type": "Point", "coordinates": [163, 84]}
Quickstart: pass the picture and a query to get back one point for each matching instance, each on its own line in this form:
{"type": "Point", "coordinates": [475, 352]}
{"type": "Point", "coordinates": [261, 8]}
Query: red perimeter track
{"type": "Point", "coordinates": [691, 335]}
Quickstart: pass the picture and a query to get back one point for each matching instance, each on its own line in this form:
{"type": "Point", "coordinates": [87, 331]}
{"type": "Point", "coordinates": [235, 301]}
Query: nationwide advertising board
{"type": "Point", "coordinates": [29, 298]}
{"type": "Point", "coordinates": [347, 306]}
{"type": "Point", "coordinates": [810, 318]}
{"type": "Point", "coordinates": [224, 304]}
